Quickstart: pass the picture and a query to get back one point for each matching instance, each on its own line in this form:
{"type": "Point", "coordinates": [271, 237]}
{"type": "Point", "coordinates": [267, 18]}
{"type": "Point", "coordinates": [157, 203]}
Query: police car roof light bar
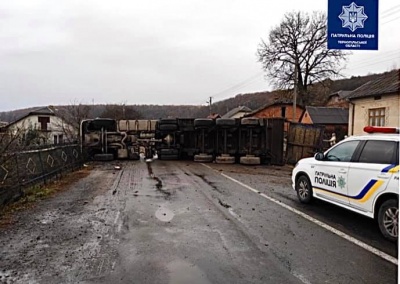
{"type": "Point", "coordinates": [380, 129]}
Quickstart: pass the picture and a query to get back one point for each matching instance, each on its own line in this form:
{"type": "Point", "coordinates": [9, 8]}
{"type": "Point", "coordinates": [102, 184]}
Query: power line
{"type": "Point", "coordinates": [240, 85]}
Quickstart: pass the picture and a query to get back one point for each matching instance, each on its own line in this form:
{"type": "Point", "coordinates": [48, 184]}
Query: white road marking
{"type": "Point", "coordinates": [359, 243]}
{"type": "Point", "coordinates": [301, 277]}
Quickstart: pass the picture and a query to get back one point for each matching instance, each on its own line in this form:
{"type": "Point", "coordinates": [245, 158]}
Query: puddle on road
{"type": "Point", "coordinates": [164, 214]}
{"type": "Point", "coordinates": [182, 272]}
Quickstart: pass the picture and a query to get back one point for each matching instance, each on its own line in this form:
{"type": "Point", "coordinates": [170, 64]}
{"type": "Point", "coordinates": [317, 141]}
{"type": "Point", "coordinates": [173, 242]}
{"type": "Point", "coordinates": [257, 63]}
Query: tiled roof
{"type": "Point", "coordinates": [277, 103]}
{"type": "Point", "coordinates": [236, 110]}
{"type": "Point", "coordinates": [387, 83]}
{"type": "Point", "coordinates": [328, 115]}
{"type": "Point", "coordinates": [43, 110]}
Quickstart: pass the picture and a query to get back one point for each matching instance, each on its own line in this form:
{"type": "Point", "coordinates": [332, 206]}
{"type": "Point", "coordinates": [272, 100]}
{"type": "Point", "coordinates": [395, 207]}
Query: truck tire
{"type": "Point", "coordinates": [250, 160]}
{"type": "Point", "coordinates": [203, 122]}
{"type": "Point", "coordinates": [203, 158]}
{"type": "Point", "coordinates": [225, 122]}
{"type": "Point", "coordinates": [250, 121]}
{"type": "Point", "coordinates": [168, 121]}
{"type": "Point", "coordinates": [225, 159]}
{"type": "Point", "coordinates": [388, 218]}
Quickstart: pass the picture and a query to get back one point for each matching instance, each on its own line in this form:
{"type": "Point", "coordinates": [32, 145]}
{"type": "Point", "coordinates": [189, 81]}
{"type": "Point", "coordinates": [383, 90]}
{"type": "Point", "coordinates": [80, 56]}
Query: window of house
{"type": "Point", "coordinates": [43, 122]}
{"type": "Point", "coordinates": [283, 111]}
{"type": "Point", "coordinates": [55, 140]}
{"type": "Point", "coordinates": [376, 117]}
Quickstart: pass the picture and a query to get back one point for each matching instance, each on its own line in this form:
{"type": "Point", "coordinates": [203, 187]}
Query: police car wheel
{"type": "Point", "coordinates": [388, 219]}
{"type": "Point", "coordinates": [304, 189]}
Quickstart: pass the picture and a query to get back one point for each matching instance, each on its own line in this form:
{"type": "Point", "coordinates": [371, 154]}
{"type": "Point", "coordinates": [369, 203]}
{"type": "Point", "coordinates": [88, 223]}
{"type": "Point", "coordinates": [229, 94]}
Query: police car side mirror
{"type": "Point", "coordinates": [319, 156]}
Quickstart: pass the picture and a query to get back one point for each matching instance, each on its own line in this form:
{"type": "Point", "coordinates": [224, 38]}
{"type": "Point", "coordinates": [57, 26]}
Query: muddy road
{"type": "Point", "coordinates": [182, 222]}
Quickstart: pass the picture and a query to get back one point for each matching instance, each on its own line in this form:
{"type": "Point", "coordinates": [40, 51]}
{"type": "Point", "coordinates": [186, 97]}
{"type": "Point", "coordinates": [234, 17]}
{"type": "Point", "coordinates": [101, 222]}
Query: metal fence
{"type": "Point", "coordinates": [22, 169]}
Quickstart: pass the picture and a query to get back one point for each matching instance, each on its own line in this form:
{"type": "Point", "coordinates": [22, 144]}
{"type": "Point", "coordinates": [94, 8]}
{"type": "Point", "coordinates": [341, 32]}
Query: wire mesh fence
{"type": "Point", "coordinates": [21, 169]}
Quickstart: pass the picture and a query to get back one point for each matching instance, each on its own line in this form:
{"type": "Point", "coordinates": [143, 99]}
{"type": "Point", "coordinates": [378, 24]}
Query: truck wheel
{"type": "Point", "coordinates": [203, 158]}
{"type": "Point", "coordinates": [388, 219]}
{"type": "Point", "coordinates": [203, 122]}
{"type": "Point", "coordinates": [250, 121]}
{"type": "Point", "coordinates": [250, 160]}
{"type": "Point", "coordinates": [304, 189]}
{"type": "Point", "coordinates": [168, 121]}
{"type": "Point", "coordinates": [225, 122]}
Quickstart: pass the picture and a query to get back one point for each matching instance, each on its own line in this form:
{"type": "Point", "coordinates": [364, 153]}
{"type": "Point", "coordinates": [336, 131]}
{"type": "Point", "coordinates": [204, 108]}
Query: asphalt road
{"type": "Point", "coordinates": [182, 222]}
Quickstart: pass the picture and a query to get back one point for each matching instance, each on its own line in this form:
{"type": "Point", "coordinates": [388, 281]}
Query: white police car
{"type": "Point", "coordinates": [360, 173]}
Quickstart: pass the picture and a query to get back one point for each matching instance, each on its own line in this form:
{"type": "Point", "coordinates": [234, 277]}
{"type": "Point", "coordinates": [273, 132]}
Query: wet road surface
{"type": "Point", "coordinates": [182, 222]}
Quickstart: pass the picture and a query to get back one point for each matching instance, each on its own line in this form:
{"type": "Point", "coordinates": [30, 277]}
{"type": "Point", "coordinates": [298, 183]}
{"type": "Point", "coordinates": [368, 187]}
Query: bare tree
{"type": "Point", "coordinates": [71, 117]}
{"type": "Point", "coordinates": [10, 141]}
{"type": "Point", "coordinates": [299, 42]}
{"type": "Point", "coordinates": [121, 111]}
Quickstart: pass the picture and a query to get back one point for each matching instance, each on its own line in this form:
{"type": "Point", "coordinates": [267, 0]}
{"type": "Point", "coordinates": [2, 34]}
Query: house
{"type": "Point", "coordinates": [338, 99]}
{"type": "Point", "coordinates": [278, 109]}
{"type": "Point", "coordinates": [41, 127]}
{"type": "Point", "coordinates": [214, 116]}
{"type": "Point", "coordinates": [376, 103]}
{"type": "Point", "coordinates": [334, 119]}
{"type": "Point", "coordinates": [237, 112]}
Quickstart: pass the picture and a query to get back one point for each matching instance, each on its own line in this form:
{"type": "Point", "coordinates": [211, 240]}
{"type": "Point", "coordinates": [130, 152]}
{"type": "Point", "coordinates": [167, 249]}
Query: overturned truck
{"type": "Point", "coordinates": [246, 140]}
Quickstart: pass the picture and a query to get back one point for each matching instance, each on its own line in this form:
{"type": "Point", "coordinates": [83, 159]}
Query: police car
{"type": "Point", "coordinates": [360, 173]}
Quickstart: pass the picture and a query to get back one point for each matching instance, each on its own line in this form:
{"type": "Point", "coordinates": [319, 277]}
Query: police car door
{"type": "Point", "coordinates": [371, 174]}
{"type": "Point", "coordinates": [330, 175]}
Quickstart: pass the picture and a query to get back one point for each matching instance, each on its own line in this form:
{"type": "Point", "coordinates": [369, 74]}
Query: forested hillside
{"type": "Point", "coordinates": [320, 93]}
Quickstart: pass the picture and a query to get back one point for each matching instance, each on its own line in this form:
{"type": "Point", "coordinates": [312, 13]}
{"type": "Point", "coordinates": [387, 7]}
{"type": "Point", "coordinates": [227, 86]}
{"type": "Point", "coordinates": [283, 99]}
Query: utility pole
{"type": "Point", "coordinates": [295, 90]}
{"type": "Point", "coordinates": [209, 103]}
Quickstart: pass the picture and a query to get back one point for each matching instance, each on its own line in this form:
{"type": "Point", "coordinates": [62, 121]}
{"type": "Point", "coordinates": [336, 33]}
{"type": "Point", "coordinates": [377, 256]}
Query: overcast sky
{"type": "Point", "coordinates": [151, 52]}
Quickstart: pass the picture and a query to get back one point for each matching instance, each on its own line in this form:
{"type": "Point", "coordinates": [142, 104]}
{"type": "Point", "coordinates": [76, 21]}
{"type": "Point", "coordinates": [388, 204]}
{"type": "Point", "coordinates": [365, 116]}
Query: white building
{"type": "Point", "coordinates": [376, 103]}
{"type": "Point", "coordinates": [42, 127]}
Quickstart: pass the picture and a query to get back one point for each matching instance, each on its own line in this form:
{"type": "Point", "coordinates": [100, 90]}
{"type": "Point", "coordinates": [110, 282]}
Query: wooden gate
{"type": "Point", "coordinates": [303, 140]}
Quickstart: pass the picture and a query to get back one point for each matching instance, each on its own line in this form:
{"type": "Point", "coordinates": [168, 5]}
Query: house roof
{"type": "Point", "coordinates": [387, 83]}
{"type": "Point", "coordinates": [39, 111]}
{"type": "Point", "coordinates": [342, 94]}
{"type": "Point", "coordinates": [276, 103]}
{"type": "Point", "coordinates": [328, 115]}
{"type": "Point", "coordinates": [42, 111]}
{"type": "Point", "coordinates": [236, 110]}
{"type": "Point", "coordinates": [214, 116]}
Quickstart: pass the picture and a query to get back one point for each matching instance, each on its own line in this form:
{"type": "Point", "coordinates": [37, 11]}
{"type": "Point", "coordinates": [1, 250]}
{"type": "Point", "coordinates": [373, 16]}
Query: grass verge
{"type": "Point", "coordinates": [36, 193]}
